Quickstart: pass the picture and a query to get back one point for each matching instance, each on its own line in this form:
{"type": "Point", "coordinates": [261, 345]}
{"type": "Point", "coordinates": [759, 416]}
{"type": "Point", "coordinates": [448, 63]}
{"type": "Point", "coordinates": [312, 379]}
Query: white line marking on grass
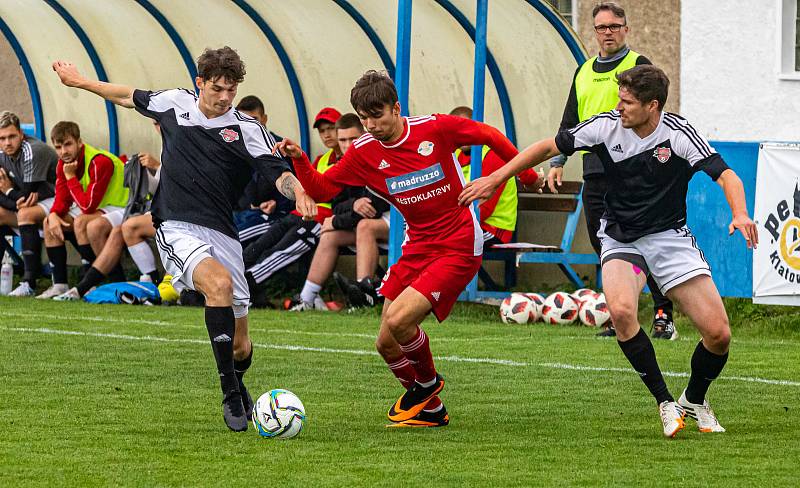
{"type": "Point", "coordinates": [282, 347]}
{"type": "Point", "coordinates": [749, 379]}
{"type": "Point", "coordinates": [91, 318]}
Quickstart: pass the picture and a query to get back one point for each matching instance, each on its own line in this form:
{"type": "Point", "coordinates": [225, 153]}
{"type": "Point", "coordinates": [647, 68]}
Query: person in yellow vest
{"type": "Point", "coordinates": [594, 91]}
{"type": "Point", "coordinates": [498, 217]}
{"type": "Point", "coordinates": [89, 185]}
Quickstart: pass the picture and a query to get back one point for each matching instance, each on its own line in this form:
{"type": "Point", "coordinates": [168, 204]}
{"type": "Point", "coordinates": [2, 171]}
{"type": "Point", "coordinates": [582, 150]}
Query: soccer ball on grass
{"type": "Point", "coordinates": [560, 308]}
{"type": "Point", "coordinates": [517, 309]}
{"type": "Point", "coordinates": [278, 413]}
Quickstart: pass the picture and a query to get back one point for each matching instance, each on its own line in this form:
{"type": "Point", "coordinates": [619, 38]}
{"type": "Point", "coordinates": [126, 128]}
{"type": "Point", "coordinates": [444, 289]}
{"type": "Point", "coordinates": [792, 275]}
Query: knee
{"type": "Point", "coordinates": [623, 314]}
{"type": "Point", "coordinates": [128, 232]}
{"type": "Point", "coordinates": [364, 231]}
{"type": "Point", "coordinates": [98, 228]}
{"type": "Point", "coordinates": [81, 224]}
{"type": "Point", "coordinates": [718, 337]}
{"type": "Point", "coordinates": [387, 348]}
{"type": "Point", "coordinates": [219, 287]}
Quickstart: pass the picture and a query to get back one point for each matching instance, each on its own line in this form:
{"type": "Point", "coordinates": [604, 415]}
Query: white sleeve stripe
{"type": "Point", "coordinates": [703, 149]}
{"type": "Point", "coordinates": [268, 140]}
{"type": "Point", "coordinates": [689, 131]}
{"type": "Point", "coordinates": [605, 115]}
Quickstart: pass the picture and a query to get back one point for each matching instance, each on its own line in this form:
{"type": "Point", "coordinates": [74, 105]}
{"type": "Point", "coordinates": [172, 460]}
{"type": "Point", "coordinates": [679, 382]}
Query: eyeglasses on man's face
{"type": "Point", "coordinates": [611, 27]}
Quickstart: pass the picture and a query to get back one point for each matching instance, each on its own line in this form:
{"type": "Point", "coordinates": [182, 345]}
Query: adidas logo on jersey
{"type": "Point", "coordinates": [383, 164]}
{"type": "Point", "coordinates": [436, 295]}
{"type": "Point", "coordinates": [617, 148]}
{"type": "Point", "coordinates": [222, 338]}
{"type": "Point", "coordinates": [184, 116]}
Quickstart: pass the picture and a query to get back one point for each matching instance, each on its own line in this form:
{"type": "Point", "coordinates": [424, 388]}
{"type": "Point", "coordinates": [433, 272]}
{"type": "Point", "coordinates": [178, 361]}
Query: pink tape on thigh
{"type": "Point", "coordinates": [636, 269]}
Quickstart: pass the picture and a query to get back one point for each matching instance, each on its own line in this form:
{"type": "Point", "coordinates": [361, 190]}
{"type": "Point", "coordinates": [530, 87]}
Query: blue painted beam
{"type": "Point", "coordinates": [494, 71]}
{"type": "Point", "coordinates": [288, 68]}
{"type": "Point", "coordinates": [365, 26]}
{"type": "Point", "coordinates": [111, 109]}
{"type": "Point", "coordinates": [165, 24]}
{"type": "Point", "coordinates": [30, 79]}
{"type": "Point", "coordinates": [478, 99]}
{"type": "Point", "coordinates": [403, 57]}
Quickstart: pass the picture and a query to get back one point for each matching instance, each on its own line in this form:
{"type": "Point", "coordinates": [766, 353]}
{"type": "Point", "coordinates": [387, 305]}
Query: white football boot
{"type": "Point", "coordinates": [54, 290]}
{"type": "Point", "coordinates": [23, 290]}
{"type": "Point", "coordinates": [319, 305]}
{"type": "Point", "coordinates": [70, 295]}
{"type": "Point", "coordinates": [702, 413]}
{"type": "Point", "coordinates": [671, 417]}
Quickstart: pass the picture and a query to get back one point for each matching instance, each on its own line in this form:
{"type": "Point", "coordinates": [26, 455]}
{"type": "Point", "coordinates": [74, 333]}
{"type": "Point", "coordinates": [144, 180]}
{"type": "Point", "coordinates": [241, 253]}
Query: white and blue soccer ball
{"type": "Point", "coordinates": [278, 413]}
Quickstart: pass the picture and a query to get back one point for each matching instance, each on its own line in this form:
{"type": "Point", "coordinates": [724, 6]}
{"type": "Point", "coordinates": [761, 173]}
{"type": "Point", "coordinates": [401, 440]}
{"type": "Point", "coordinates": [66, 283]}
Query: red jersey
{"type": "Point", "coordinates": [101, 169]}
{"type": "Point", "coordinates": [419, 175]}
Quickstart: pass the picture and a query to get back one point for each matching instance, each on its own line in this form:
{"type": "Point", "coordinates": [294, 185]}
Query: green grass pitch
{"type": "Point", "coordinates": [127, 396]}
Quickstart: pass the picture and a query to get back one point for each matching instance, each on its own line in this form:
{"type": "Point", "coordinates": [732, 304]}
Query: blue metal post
{"type": "Point", "coordinates": [478, 91]}
{"type": "Point", "coordinates": [402, 60]}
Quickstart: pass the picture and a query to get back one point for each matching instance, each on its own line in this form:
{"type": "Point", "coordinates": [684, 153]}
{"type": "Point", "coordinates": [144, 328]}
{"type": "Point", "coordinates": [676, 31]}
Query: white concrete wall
{"type": "Point", "coordinates": [731, 85]}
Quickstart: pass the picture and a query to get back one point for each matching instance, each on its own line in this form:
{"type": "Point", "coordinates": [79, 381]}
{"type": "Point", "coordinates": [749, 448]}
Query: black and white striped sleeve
{"type": "Point", "coordinates": [155, 104]}
{"type": "Point", "coordinates": [260, 147]}
{"type": "Point", "coordinates": [693, 147]}
{"type": "Point", "coordinates": [585, 136]}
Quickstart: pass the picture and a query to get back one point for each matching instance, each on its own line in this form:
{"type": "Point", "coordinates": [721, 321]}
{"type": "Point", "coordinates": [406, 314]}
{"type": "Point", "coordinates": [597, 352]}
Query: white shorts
{"type": "Point", "coordinates": [182, 246]}
{"type": "Point", "coordinates": [47, 206]}
{"type": "Point", "coordinates": [671, 257]}
{"type": "Point", "coordinates": [113, 214]}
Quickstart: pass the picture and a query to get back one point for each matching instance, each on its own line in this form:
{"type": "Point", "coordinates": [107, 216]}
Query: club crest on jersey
{"type": "Point", "coordinates": [662, 154]}
{"type": "Point", "coordinates": [415, 179]}
{"type": "Point", "coordinates": [425, 148]}
{"type": "Point", "coordinates": [229, 135]}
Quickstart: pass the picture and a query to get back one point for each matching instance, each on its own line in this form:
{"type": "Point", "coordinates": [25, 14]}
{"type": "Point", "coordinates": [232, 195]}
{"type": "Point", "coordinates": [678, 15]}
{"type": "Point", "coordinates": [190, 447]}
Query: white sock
{"type": "Point", "coordinates": [143, 257]}
{"type": "Point", "coordinates": [310, 291]}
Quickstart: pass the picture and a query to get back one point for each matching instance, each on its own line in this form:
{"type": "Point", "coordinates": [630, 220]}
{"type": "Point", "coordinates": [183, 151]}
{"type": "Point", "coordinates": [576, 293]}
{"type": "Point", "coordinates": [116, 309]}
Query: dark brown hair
{"type": "Point", "coordinates": [372, 92]}
{"type": "Point", "coordinates": [611, 7]}
{"type": "Point", "coordinates": [9, 118]}
{"type": "Point", "coordinates": [251, 103]}
{"type": "Point", "coordinates": [349, 121]}
{"type": "Point", "coordinates": [223, 62]}
{"type": "Point", "coordinates": [65, 129]}
{"type": "Point", "coordinates": [645, 82]}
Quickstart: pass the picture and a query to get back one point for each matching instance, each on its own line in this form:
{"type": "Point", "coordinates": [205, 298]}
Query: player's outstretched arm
{"type": "Point", "coordinates": [316, 184]}
{"type": "Point", "coordinates": [291, 188]}
{"type": "Point", "coordinates": [121, 95]}
{"type": "Point", "coordinates": [734, 192]}
{"type": "Point", "coordinates": [483, 188]}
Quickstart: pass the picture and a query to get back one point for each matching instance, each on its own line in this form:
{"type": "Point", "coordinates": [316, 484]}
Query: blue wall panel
{"type": "Point", "coordinates": [709, 216]}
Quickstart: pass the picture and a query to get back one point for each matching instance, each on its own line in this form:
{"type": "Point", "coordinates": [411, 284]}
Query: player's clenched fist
{"type": "Point", "coordinates": [67, 72]}
{"type": "Point", "coordinates": [289, 148]}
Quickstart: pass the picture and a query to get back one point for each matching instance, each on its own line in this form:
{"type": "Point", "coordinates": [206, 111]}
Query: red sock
{"type": "Point", "coordinates": [433, 404]}
{"type": "Point", "coordinates": [402, 370]}
{"type": "Point", "coordinates": [418, 352]}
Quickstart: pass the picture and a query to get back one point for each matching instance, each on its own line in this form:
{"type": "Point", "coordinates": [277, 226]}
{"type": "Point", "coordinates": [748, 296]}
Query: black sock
{"type": "Point", "coordinates": [86, 252]}
{"type": "Point", "coordinates": [155, 278]}
{"type": "Point", "coordinates": [639, 351]}
{"type": "Point", "coordinates": [58, 260]}
{"type": "Point", "coordinates": [117, 274]}
{"type": "Point", "coordinates": [221, 325]}
{"type": "Point", "coordinates": [31, 252]}
{"type": "Point", "coordinates": [706, 366]}
{"type": "Point", "coordinates": [241, 367]}
{"type": "Point", "coordinates": [93, 277]}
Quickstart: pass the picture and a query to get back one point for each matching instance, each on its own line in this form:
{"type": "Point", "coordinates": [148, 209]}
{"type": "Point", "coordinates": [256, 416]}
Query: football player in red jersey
{"type": "Point", "coordinates": [409, 162]}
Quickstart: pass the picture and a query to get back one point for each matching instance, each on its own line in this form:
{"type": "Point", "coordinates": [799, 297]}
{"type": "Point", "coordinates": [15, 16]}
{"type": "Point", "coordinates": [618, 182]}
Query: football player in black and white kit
{"type": "Point", "coordinates": [209, 153]}
{"type": "Point", "coordinates": [649, 157]}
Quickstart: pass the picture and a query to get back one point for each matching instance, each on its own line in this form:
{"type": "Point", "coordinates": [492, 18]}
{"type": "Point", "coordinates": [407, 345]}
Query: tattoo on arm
{"type": "Point", "coordinates": [286, 184]}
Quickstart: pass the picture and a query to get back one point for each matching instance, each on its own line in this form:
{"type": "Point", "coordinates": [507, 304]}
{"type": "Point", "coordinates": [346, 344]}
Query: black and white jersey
{"type": "Point", "coordinates": [647, 178]}
{"type": "Point", "coordinates": [206, 163]}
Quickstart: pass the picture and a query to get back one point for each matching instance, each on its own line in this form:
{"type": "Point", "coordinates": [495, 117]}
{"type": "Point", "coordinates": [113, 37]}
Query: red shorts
{"type": "Point", "coordinates": [440, 278]}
